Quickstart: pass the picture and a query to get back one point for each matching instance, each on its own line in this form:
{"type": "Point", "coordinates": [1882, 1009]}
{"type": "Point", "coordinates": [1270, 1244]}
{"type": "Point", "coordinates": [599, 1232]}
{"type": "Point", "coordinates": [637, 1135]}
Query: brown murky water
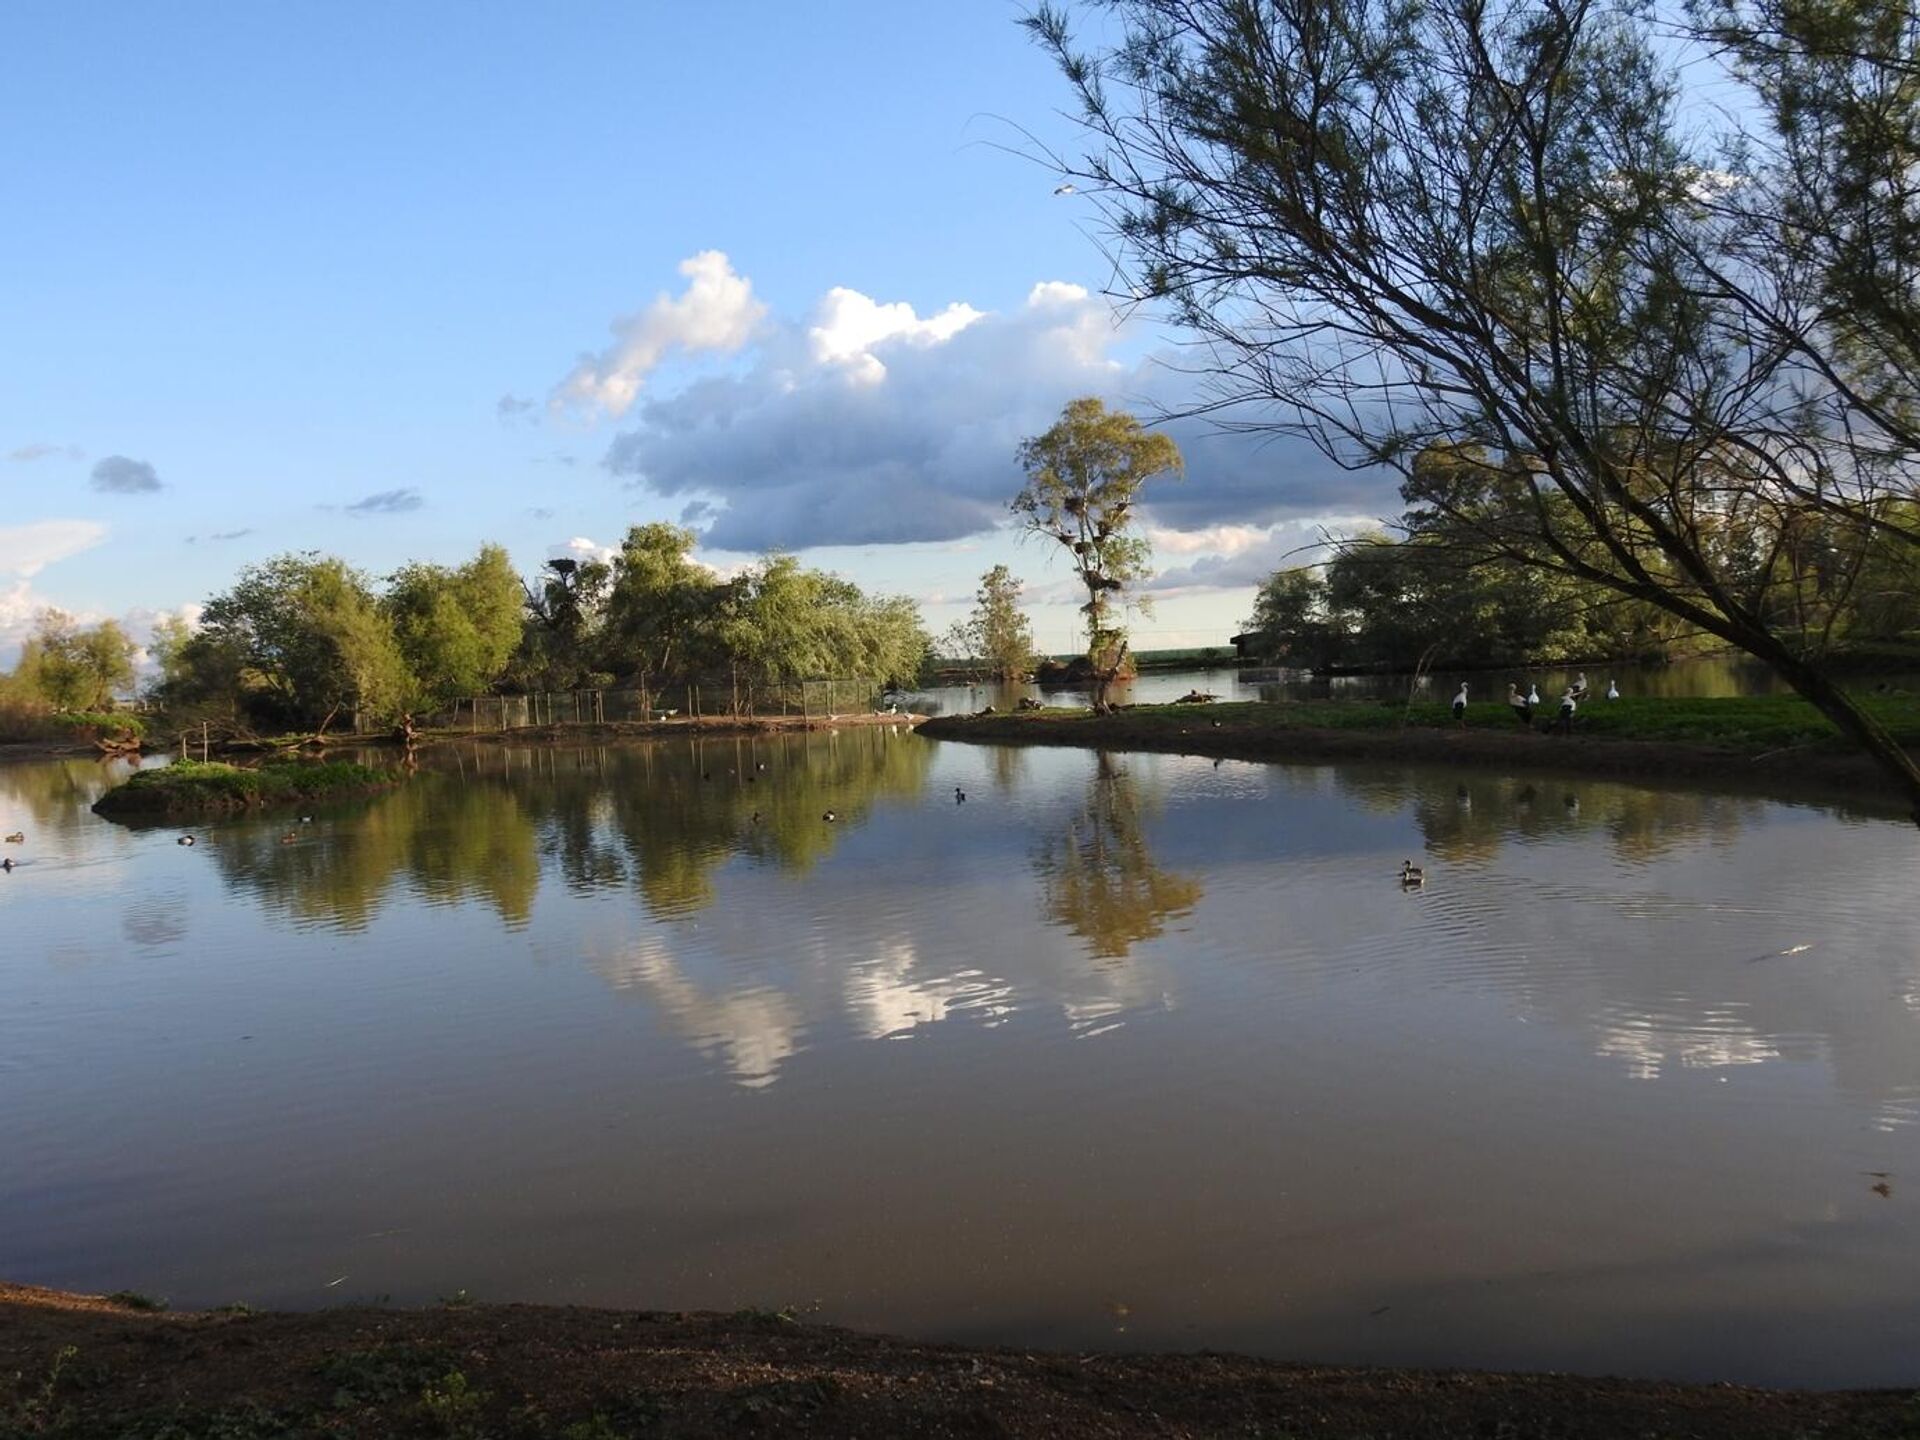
{"type": "Point", "coordinates": [1124, 1050]}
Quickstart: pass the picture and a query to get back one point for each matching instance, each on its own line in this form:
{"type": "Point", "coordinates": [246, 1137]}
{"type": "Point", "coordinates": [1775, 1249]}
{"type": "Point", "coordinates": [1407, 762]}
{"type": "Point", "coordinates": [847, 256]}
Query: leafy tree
{"type": "Point", "coordinates": [1288, 621]}
{"type": "Point", "coordinates": [456, 629]}
{"type": "Point", "coordinates": [1000, 633]}
{"type": "Point", "coordinates": [560, 631]}
{"type": "Point", "coordinates": [659, 604]}
{"type": "Point", "coordinates": [73, 668]}
{"type": "Point", "coordinates": [310, 640]}
{"type": "Point", "coordinates": [1495, 227]}
{"type": "Point", "coordinates": [1084, 476]}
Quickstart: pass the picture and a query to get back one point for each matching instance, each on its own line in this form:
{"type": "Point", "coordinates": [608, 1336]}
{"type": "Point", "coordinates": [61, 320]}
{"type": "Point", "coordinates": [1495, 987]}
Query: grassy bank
{"type": "Point", "coordinates": [77, 729]}
{"type": "Point", "coordinates": [79, 1366]}
{"type": "Point", "coordinates": [1778, 739]}
{"type": "Point", "coordinates": [193, 787]}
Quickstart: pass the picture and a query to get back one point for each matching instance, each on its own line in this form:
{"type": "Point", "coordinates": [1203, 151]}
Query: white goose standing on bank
{"type": "Point", "coordinates": [1460, 704]}
{"type": "Point", "coordinates": [1613, 691]}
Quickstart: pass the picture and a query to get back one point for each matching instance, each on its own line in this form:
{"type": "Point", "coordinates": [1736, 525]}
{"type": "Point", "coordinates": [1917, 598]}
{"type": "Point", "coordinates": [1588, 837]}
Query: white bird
{"type": "Point", "coordinates": [1533, 695]}
{"type": "Point", "coordinates": [1066, 189]}
{"type": "Point", "coordinates": [1460, 704]}
{"type": "Point", "coordinates": [1613, 691]}
{"type": "Point", "coordinates": [1579, 687]}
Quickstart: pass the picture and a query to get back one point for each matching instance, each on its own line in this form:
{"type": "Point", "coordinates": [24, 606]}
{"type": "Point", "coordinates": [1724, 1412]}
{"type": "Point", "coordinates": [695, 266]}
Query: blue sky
{"type": "Point", "coordinates": [346, 277]}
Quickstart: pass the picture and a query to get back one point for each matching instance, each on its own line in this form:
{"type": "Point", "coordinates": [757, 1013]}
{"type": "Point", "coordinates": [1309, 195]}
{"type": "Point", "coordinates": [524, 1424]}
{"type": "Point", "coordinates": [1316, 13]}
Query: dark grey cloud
{"type": "Point", "coordinates": [387, 502]}
{"type": "Point", "coordinates": [914, 440]}
{"type": "Point", "coordinates": [698, 512]}
{"type": "Point", "coordinates": [119, 475]}
{"type": "Point", "coordinates": [220, 535]}
{"type": "Point", "coordinates": [511, 407]}
{"type": "Point", "coordinates": [27, 454]}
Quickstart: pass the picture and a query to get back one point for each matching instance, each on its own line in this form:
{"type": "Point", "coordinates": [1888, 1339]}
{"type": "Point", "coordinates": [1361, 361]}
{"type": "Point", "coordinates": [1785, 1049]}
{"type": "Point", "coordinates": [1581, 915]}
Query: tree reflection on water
{"type": "Point", "coordinates": [1097, 876]}
{"type": "Point", "coordinates": [477, 822]}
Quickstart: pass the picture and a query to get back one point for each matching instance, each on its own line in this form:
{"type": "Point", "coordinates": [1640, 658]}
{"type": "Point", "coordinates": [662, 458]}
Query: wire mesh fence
{"type": "Point", "coordinates": [729, 697]}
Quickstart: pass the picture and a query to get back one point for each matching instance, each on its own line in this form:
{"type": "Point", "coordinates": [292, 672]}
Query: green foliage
{"type": "Point", "coordinates": [452, 1406]}
{"type": "Point", "coordinates": [65, 667]}
{"type": "Point", "coordinates": [296, 642]}
{"type": "Point", "coordinates": [382, 1374]}
{"type": "Point", "coordinates": [998, 632]}
{"type": "Point", "coordinates": [560, 632]}
{"type": "Point", "coordinates": [660, 607]}
{"type": "Point", "coordinates": [106, 723]}
{"type": "Point", "coordinates": [135, 1300]}
{"type": "Point", "coordinates": [1289, 619]}
{"type": "Point", "coordinates": [1084, 476]}
{"type": "Point", "coordinates": [456, 629]}
{"type": "Point", "coordinates": [193, 787]}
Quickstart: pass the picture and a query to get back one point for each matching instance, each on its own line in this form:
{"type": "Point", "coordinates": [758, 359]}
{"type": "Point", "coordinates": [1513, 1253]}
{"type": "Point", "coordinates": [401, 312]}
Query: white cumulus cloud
{"type": "Point", "coordinates": [849, 325]}
{"type": "Point", "coordinates": [867, 422]}
{"type": "Point", "coordinates": [715, 314]}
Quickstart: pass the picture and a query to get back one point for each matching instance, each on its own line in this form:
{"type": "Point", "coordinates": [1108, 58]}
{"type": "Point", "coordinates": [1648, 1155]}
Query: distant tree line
{"type": "Point", "coordinates": [66, 668]}
{"type": "Point", "coordinates": [1439, 594]}
{"type": "Point", "coordinates": [303, 641]}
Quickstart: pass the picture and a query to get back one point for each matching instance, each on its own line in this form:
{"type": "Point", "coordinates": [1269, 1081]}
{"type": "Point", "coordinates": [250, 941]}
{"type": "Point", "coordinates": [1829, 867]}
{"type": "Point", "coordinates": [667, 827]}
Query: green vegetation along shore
{"type": "Point", "coordinates": [74, 1366]}
{"type": "Point", "coordinates": [194, 787]}
{"type": "Point", "coordinates": [1775, 739]}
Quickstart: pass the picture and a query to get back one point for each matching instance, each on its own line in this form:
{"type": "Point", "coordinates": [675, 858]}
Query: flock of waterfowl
{"type": "Point", "coordinates": [1524, 706]}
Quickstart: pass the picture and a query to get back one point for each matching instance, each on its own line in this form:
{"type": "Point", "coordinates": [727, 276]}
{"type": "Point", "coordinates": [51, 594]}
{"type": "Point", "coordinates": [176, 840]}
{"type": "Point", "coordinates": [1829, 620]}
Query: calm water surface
{"type": "Point", "coordinates": [1126, 1050]}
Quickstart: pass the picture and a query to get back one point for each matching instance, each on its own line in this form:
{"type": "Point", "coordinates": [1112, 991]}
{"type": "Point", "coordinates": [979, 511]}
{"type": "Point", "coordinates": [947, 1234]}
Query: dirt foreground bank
{"type": "Point", "coordinates": [1789, 769]}
{"type": "Point", "coordinates": [73, 1366]}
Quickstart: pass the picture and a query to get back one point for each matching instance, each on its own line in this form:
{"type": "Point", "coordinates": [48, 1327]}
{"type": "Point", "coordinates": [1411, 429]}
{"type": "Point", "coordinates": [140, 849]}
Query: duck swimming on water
{"type": "Point", "coordinates": [1412, 874]}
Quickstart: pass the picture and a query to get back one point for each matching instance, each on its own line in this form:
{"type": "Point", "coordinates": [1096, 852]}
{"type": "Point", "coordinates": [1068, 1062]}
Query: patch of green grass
{"type": "Point", "coordinates": [33, 1409]}
{"type": "Point", "coordinates": [135, 1300]}
{"type": "Point", "coordinates": [195, 787]}
{"type": "Point", "coordinates": [105, 722]}
{"type": "Point", "coordinates": [383, 1374]}
{"type": "Point", "coordinates": [452, 1406]}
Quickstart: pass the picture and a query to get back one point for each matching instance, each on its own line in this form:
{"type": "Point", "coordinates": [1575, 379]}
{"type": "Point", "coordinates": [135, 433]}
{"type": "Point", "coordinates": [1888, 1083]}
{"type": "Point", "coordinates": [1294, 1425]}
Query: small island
{"type": "Point", "coordinates": [195, 787]}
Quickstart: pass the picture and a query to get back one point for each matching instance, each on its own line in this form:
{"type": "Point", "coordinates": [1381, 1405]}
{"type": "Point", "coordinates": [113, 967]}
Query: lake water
{"type": "Point", "coordinates": [1130, 1050]}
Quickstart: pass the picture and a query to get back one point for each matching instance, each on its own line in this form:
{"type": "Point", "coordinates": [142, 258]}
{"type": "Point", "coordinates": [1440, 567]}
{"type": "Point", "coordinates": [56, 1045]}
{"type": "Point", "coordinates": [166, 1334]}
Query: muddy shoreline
{"type": "Point", "coordinates": [89, 1365]}
{"type": "Point", "coordinates": [1798, 771]}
